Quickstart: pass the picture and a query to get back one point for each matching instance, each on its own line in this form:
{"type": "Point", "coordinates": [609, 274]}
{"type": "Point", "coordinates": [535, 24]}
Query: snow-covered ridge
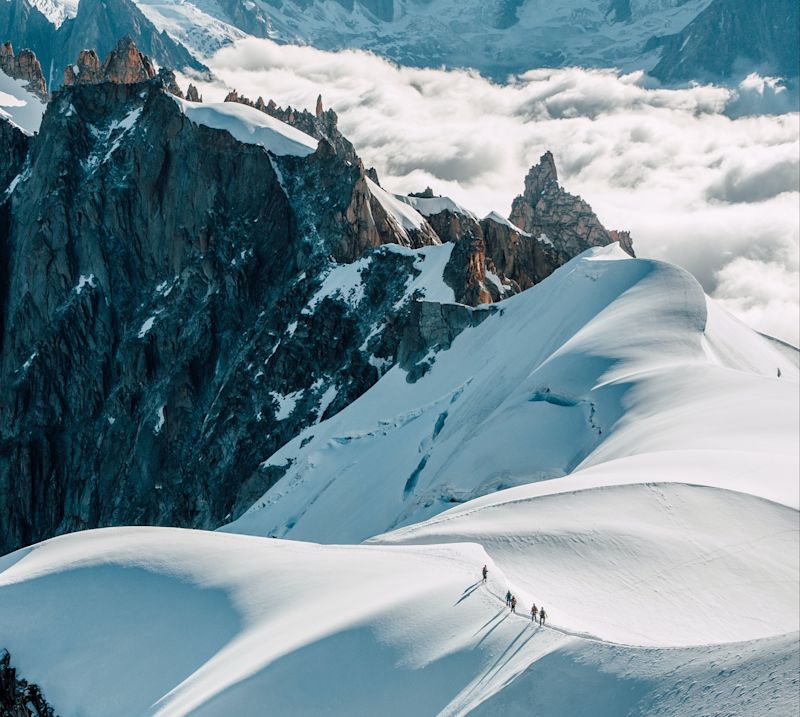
{"type": "Point", "coordinates": [640, 486]}
{"type": "Point", "coordinates": [560, 381]}
{"type": "Point", "coordinates": [429, 206]}
{"type": "Point", "coordinates": [403, 212]}
{"type": "Point", "coordinates": [250, 126]}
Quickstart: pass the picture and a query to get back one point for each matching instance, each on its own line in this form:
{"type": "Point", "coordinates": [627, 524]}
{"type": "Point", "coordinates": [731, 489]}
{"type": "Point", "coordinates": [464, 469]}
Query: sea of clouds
{"type": "Point", "coordinates": [706, 177]}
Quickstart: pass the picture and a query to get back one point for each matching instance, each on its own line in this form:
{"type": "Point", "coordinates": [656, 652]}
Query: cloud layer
{"type": "Point", "coordinates": [698, 175]}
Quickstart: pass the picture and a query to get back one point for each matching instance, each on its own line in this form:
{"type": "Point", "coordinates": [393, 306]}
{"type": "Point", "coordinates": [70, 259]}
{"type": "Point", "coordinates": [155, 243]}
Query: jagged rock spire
{"type": "Point", "coordinates": [23, 66]}
{"type": "Point", "coordinates": [541, 174]}
{"type": "Point", "coordinates": [193, 95]}
{"type": "Point", "coordinates": [568, 222]}
{"type": "Point", "coordinates": [319, 109]}
{"type": "Point", "coordinates": [123, 65]}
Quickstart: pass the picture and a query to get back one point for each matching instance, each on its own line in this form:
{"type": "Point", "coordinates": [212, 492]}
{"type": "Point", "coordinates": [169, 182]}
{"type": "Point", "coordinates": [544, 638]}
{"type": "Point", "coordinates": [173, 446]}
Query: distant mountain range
{"type": "Point", "coordinates": [675, 40]}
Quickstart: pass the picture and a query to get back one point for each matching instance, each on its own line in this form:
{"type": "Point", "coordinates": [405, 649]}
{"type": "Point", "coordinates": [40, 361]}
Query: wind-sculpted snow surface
{"type": "Point", "coordinates": [626, 455]}
{"type": "Point", "coordinates": [611, 361]}
{"type": "Point", "coordinates": [648, 564]}
{"type": "Point", "coordinates": [129, 622]}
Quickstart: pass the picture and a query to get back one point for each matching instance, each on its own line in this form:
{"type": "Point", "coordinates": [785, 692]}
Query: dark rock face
{"type": "Point", "coordinates": [524, 260]}
{"type": "Point", "coordinates": [152, 312]}
{"type": "Point", "coordinates": [18, 698]}
{"type": "Point", "coordinates": [733, 37]}
{"type": "Point", "coordinates": [13, 149]}
{"type": "Point", "coordinates": [545, 209]}
{"type": "Point", "coordinates": [432, 326]}
{"type": "Point", "coordinates": [23, 66]}
{"type": "Point", "coordinates": [101, 414]}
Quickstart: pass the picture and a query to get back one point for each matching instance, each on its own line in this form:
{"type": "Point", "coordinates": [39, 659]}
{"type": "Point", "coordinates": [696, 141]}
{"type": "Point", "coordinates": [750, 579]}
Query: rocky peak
{"type": "Point", "coordinates": [123, 65]}
{"type": "Point", "coordinates": [549, 213]}
{"type": "Point", "coordinates": [541, 175]}
{"type": "Point", "coordinates": [193, 95]}
{"type": "Point", "coordinates": [25, 67]}
{"type": "Point", "coordinates": [85, 71]}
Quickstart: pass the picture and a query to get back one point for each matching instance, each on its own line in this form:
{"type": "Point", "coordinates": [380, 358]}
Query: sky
{"type": "Point", "coordinates": [705, 177]}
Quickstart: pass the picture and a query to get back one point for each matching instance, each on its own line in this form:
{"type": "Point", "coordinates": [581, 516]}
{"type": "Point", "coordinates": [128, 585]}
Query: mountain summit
{"type": "Point", "coordinates": [190, 285]}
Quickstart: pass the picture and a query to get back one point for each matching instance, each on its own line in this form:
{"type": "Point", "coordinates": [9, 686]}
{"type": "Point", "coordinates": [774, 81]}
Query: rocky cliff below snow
{"type": "Point", "coordinates": [184, 287]}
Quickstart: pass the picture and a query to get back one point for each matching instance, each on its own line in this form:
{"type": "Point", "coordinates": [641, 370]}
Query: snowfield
{"type": "Point", "coordinates": [610, 443]}
{"type": "Point", "coordinates": [127, 622]}
{"type": "Point", "coordinates": [19, 106]}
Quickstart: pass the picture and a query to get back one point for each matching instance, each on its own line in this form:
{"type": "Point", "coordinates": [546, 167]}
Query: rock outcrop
{"type": "Point", "coordinates": [125, 65]}
{"type": "Point", "coordinates": [193, 94]}
{"type": "Point", "coordinates": [548, 211]}
{"type": "Point", "coordinates": [23, 66]}
{"type": "Point", "coordinates": [19, 698]}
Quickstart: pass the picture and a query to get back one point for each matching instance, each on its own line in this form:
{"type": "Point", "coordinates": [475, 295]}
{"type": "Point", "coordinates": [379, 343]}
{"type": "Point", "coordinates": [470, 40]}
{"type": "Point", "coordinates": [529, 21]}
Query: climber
{"type": "Point", "coordinates": [542, 616]}
{"type": "Point", "coordinates": [534, 613]}
{"type": "Point", "coordinates": [485, 572]}
{"type": "Point", "coordinates": [508, 597]}
{"type": "Point", "coordinates": [513, 604]}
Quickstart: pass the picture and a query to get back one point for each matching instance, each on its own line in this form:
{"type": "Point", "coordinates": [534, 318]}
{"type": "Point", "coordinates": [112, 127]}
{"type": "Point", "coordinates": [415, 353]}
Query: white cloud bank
{"type": "Point", "coordinates": [698, 176]}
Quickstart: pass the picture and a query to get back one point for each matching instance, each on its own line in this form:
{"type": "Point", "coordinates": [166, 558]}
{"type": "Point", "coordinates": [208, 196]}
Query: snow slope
{"type": "Point", "coordinates": [646, 564]}
{"type": "Point", "coordinates": [620, 451]}
{"type": "Point", "coordinates": [250, 126]}
{"type": "Point", "coordinates": [21, 107]}
{"type": "Point", "coordinates": [613, 371]}
{"type": "Point", "coordinates": [131, 622]}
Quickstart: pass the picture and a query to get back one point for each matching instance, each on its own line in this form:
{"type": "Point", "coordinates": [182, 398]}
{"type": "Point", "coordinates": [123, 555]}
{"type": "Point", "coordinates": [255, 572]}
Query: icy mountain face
{"type": "Point", "coordinates": [89, 24]}
{"type": "Point", "coordinates": [502, 37]}
{"type": "Point", "coordinates": [497, 38]}
{"type": "Point", "coordinates": [190, 285]}
{"type": "Point", "coordinates": [732, 37]}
